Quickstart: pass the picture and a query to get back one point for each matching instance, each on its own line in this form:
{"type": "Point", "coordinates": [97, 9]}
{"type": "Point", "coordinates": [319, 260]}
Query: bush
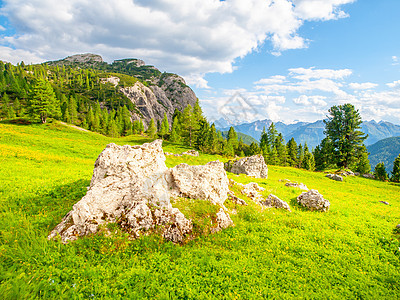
{"type": "Point", "coordinates": [380, 172]}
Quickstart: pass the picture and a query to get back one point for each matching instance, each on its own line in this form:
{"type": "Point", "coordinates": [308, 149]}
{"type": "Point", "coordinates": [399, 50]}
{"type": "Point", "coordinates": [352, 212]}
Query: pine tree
{"type": "Point", "coordinates": [281, 150]}
{"type": "Point", "coordinates": [362, 163]}
{"type": "Point", "coordinates": [272, 135]}
{"type": "Point", "coordinates": [212, 139]}
{"type": "Point", "coordinates": [202, 136]}
{"type": "Point", "coordinates": [380, 172]}
{"type": "Point", "coordinates": [175, 136]}
{"type": "Point", "coordinates": [189, 125]}
{"type": "Point", "coordinates": [254, 149]}
{"type": "Point", "coordinates": [308, 161]}
{"type": "Point", "coordinates": [300, 156]}
{"type": "Point", "coordinates": [72, 110]}
{"type": "Point", "coordinates": [232, 138]}
{"type": "Point", "coordinates": [43, 102]}
{"type": "Point", "coordinates": [396, 170]}
{"type": "Point", "coordinates": [151, 130]}
{"type": "Point", "coordinates": [164, 128]}
{"type": "Point", "coordinates": [264, 142]}
{"type": "Point", "coordinates": [291, 147]}
{"type": "Point", "coordinates": [273, 158]}
{"type": "Point", "coordinates": [342, 127]}
{"type": "Point", "coordinates": [323, 155]}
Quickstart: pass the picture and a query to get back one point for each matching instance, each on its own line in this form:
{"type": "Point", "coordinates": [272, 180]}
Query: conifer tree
{"type": "Point", "coordinates": [175, 136]}
{"type": "Point", "coordinates": [380, 172]}
{"type": "Point", "coordinates": [264, 142]}
{"type": "Point", "coordinates": [396, 170]}
{"type": "Point", "coordinates": [342, 127]}
{"type": "Point", "coordinates": [164, 128]}
{"type": "Point", "coordinates": [291, 147]}
{"type": "Point", "coordinates": [43, 102]}
{"type": "Point", "coordinates": [273, 158]}
{"type": "Point", "coordinates": [189, 125]}
{"type": "Point", "coordinates": [151, 130]}
{"type": "Point", "coordinates": [212, 139]}
{"type": "Point", "coordinates": [362, 163]}
{"type": "Point", "coordinates": [272, 135]}
{"type": "Point", "coordinates": [300, 156]}
{"type": "Point", "coordinates": [281, 150]}
{"type": "Point", "coordinates": [202, 136]}
{"type": "Point", "coordinates": [232, 138]}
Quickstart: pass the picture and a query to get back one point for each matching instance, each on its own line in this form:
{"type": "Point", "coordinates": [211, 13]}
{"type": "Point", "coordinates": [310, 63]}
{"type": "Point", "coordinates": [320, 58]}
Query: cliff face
{"type": "Point", "coordinates": [152, 92]}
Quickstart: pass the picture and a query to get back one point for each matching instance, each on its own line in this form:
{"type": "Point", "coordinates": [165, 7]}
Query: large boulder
{"type": "Point", "coordinates": [131, 185]}
{"type": "Point", "coordinates": [313, 201]}
{"type": "Point", "coordinates": [252, 166]}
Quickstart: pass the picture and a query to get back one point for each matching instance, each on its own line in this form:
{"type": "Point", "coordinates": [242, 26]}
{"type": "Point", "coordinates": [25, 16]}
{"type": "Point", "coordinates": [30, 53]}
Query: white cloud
{"type": "Point", "coordinates": [320, 9]}
{"type": "Point", "coordinates": [9, 55]}
{"type": "Point", "coordinates": [312, 73]}
{"type": "Point", "coordinates": [2, 28]}
{"type": "Point", "coordinates": [271, 80]}
{"type": "Point", "coordinates": [310, 100]}
{"type": "Point", "coordinates": [394, 84]}
{"type": "Point", "coordinates": [191, 37]}
{"type": "Point", "coordinates": [362, 86]}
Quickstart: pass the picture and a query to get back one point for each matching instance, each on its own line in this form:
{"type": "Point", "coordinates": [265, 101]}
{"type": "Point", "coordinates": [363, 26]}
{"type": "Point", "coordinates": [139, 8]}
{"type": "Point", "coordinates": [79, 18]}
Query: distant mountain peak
{"type": "Point", "coordinates": [84, 59]}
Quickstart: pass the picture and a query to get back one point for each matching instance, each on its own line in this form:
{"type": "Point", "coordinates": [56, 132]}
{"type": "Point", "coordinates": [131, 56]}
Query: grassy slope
{"type": "Point", "coordinates": [349, 252]}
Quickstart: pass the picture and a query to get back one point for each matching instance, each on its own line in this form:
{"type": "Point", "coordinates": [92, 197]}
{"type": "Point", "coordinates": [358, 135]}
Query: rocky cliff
{"type": "Point", "coordinates": [151, 91]}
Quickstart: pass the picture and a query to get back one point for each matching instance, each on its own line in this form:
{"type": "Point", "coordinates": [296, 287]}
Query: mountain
{"type": "Point", "coordinates": [385, 151]}
{"type": "Point", "coordinates": [247, 139]}
{"type": "Point", "coordinates": [151, 92]}
{"type": "Point", "coordinates": [313, 133]}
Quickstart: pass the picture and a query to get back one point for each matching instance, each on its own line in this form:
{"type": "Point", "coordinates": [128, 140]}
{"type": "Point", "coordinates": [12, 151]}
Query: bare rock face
{"type": "Point", "coordinates": [313, 201]}
{"type": "Point", "coordinates": [274, 201]}
{"type": "Point", "coordinates": [334, 177]}
{"type": "Point", "coordinates": [297, 185]}
{"type": "Point", "coordinates": [207, 182]}
{"type": "Point", "coordinates": [252, 166]}
{"type": "Point", "coordinates": [131, 185]}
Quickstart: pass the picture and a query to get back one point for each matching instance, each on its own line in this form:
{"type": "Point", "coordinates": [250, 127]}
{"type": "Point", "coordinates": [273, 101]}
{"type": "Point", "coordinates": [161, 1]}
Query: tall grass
{"type": "Point", "coordinates": [349, 252]}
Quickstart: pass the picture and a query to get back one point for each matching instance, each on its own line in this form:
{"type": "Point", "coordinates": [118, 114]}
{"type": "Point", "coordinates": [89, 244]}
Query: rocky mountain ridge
{"type": "Point", "coordinates": [152, 92]}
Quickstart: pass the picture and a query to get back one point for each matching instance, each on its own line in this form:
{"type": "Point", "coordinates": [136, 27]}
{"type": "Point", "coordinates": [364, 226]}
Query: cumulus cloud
{"type": "Point", "coordinates": [191, 37]}
{"type": "Point", "coordinates": [312, 73]}
{"type": "Point", "coordinates": [394, 84]}
{"type": "Point", "coordinates": [310, 100]}
{"type": "Point", "coordinates": [2, 28]}
{"type": "Point", "coordinates": [362, 86]}
{"type": "Point", "coordinates": [395, 60]}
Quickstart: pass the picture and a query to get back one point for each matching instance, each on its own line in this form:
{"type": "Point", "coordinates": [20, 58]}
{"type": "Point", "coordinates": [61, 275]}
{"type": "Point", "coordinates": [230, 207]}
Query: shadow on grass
{"type": "Point", "coordinates": [17, 121]}
{"type": "Point", "coordinates": [49, 207]}
{"type": "Point", "coordinates": [296, 205]}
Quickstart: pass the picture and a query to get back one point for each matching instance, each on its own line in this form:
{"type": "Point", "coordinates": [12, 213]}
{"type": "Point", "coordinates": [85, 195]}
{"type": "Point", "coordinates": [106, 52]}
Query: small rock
{"type": "Point", "coordinates": [313, 201]}
{"type": "Point", "coordinates": [274, 201]}
{"type": "Point", "coordinates": [191, 153]}
{"type": "Point", "coordinates": [223, 220]}
{"type": "Point", "coordinates": [370, 176]}
{"type": "Point", "coordinates": [235, 199]}
{"type": "Point", "coordinates": [384, 202]}
{"type": "Point", "coordinates": [252, 166]}
{"type": "Point", "coordinates": [334, 177]}
{"type": "Point", "coordinates": [398, 226]}
{"type": "Point", "coordinates": [297, 185]}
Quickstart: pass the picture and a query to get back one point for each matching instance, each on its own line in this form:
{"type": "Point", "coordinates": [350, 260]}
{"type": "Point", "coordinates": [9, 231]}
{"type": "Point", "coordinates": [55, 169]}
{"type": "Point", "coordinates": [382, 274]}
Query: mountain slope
{"type": "Point", "coordinates": [152, 92]}
{"type": "Point", "coordinates": [385, 151]}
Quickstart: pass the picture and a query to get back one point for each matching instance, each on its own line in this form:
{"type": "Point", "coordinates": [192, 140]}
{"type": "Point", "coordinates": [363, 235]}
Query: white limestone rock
{"type": "Point", "coordinates": [274, 201]}
{"type": "Point", "coordinates": [252, 166]}
{"type": "Point", "coordinates": [313, 201]}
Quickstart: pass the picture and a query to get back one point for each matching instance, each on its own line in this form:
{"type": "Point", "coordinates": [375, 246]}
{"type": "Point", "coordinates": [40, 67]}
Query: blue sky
{"type": "Point", "coordinates": [289, 59]}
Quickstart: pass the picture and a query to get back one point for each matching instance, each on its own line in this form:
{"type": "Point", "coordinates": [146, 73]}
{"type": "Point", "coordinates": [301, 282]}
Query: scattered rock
{"type": "Point", "coordinates": [346, 173]}
{"type": "Point", "coordinates": [274, 201]}
{"type": "Point", "coordinates": [297, 185]}
{"type": "Point", "coordinates": [384, 202]}
{"type": "Point", "coordinates": [313, 201]}
{"type": "Point", "coordinates": [370, 176]}
{"type": "Point", "coordinates": [235, 199]}
{"type": "Point", "coordinates": [284, 180]}
{"type": "Point", "coordinates": [223, 221]}
{"type": "Point", "coordinates": [398, 226]}
{"type": "Point", "coordinates": [252, 166]}
{"type": "Point", "coordinates": [132, 186]}
{"type": "Point", "coordinates": [189, 152]}
{"type": "Point", "coordinates": [251, 190]}
{"type": "Point", "coordinates": [113, 80]}
{"type": "Point", "coordinates": [356, 174]}
{"type": "Point", "coordinates": [334, 177]}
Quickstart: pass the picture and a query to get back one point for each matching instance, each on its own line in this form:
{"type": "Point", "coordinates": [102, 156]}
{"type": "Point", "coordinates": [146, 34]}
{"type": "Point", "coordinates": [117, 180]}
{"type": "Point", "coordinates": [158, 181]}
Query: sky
{"type": "Point", "coordinates": [284, 60]}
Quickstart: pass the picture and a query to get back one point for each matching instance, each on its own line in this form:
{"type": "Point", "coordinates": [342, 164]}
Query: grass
{"type": "Point", "coordinates": [352, 251]}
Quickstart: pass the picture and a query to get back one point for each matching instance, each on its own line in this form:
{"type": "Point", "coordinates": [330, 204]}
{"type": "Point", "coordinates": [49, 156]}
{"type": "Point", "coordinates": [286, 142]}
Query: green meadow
{"type": "Point", "coordinates": [350, 252]}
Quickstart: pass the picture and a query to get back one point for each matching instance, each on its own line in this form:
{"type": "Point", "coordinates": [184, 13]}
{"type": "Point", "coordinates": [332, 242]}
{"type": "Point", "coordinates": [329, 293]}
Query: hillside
{"type": "Point", "coordinates": [84, 81]}
{"type": "Point", "coordinates": [348, 252]}
{"type": "Point", "coordinates": [385, 151]}
{"type": "Point", "coordinates": [313, 133]}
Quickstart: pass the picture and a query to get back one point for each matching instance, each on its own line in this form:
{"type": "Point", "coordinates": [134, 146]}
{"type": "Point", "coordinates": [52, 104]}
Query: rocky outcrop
{"type": "Point", "coordinates": [274, 201]}
{"type": "Point", "coordinates": [334, 177]}
{"type": "Point", "coordinates": [132, 186]}
{"type": "Point", "coordinates": [297, 185]}
{"type": "Point", "coordinates": [313, 201]}
{"type": "Point", "coordinates": [252, 166]}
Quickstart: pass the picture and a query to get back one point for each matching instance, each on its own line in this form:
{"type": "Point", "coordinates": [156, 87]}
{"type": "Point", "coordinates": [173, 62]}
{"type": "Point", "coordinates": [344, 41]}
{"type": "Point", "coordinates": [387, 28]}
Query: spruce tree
{"type": "Point", "coordinates": [300, 156]}
{"type": "Point", "coordinates": [212, 139]}
{"type": "Point", "coordinates": [380, 172]}
{"type": "Point", "coordinates": [151, 130]}
{"type": "Point", "coordinates": [189, 125]}
{"type": "Point", "coordinates": [271, 135]}
{"type": "Point", "coordinates": [362, 165]}
{"type": "Point", "coordinates": [396, 170]}
{"type": "Point", "coordinates": [264, 142]}
{"type": "Point", "coordinates": [281, 150]}
{"type": "Point", "coordinates": [164, 128]}
{"type": "Point", "coordinates": [175, 136]}
{"type": "Point", "coordinates": [232, 138]}
{"type": "Point", "coordinates": [291, 147]}
{"type": "Point", "coordinates": [43, 101]}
